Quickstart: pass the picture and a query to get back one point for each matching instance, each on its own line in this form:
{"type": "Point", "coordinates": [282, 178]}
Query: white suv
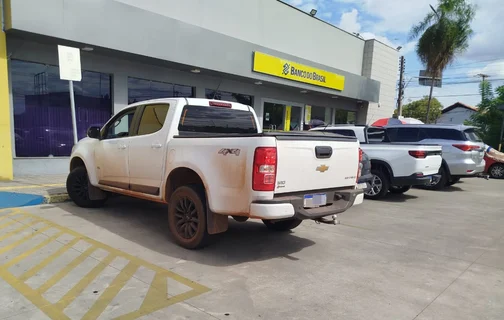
{"type": "Point", "coordinates": [463, 150]}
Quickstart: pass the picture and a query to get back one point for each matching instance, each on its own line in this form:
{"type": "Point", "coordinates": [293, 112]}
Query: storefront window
{"type": "Point", "coordinates": [42, 115]}
{"type": "Point", "coordinates": [321, 114]}
{"type": "Point", "coordinates": [344, 117]}
{"type": "Point", "coordinates": [229, 96]}
{"type": "Point", "coordinates": [141, 90]}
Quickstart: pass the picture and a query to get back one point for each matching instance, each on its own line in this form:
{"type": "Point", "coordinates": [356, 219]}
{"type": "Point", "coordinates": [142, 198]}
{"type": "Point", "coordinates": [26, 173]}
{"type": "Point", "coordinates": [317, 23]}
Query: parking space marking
{"type": "Point", "coordinates": [61, 271]}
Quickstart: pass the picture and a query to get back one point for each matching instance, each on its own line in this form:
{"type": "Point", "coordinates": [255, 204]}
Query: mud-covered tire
{"type": "Point", "coordinates": [77, 185]}
{"type": "Point", "coordinates": [282, 225]}
{"type": "Point", "coordinates": [187, 217]}
{"type": "Point", "coordinates": [399, 190]}
{"type": "Point", "coordinates": [379, 185]}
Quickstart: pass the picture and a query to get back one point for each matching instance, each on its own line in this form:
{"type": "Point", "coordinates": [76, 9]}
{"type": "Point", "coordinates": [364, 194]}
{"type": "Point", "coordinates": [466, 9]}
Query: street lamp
{"type": "Point", "coordinates": [501, 108]}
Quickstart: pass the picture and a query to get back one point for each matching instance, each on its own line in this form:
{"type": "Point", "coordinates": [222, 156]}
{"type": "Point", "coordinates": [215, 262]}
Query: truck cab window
{"type": "Point", "coordinates": [153, 118]}
{"type": "Point", "coordinates": [120, 125]}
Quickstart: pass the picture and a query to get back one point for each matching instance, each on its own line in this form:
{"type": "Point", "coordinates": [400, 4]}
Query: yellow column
{"type": "Point", "coordinates": [6, 171]}
{"type": "Point", "coordinates": [287, 120]}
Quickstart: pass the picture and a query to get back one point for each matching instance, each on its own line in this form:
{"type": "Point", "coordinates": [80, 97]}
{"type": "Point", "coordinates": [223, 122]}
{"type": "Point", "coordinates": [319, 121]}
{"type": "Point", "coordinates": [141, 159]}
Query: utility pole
{"type": "Point", "coordinates": [483, 77]}
{"type": "Point", "coordinates": [400, 94]}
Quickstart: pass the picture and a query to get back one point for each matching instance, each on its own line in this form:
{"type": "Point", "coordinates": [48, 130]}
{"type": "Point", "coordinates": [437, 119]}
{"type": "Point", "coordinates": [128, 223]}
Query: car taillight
{"type": "Point", "coordinates": [265, 165]}
{"type": "Point", "coordinates": [359, 168]}
{"type": "Point", "coordinates": [465, 147]}
{"type": "Point", "coordinates": [418, 154]}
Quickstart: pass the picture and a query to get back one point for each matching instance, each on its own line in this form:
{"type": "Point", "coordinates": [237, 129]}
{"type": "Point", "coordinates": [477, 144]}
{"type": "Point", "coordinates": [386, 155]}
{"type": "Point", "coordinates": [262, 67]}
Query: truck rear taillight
{"type": "Point", "coordinates": [418, 154]}
{"type": "Point", "coordinates": [465, 147]}
{"type": "Point", "coordinates": [264, 171]}
{"type": "Point", "coordinates": [359, 169]}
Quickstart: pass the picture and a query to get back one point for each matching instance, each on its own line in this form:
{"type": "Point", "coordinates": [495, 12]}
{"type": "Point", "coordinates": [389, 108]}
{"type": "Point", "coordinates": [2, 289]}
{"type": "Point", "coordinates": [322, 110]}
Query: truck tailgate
{"type": "Point", "coordinates": [431, 163]}
{"type": "Point", "coordinates": [306, 164]}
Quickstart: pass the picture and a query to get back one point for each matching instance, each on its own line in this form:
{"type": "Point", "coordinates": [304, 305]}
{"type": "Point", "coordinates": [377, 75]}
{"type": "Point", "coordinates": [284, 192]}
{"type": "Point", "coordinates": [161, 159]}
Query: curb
{"type": "Point", "coordinates": [56, 198]}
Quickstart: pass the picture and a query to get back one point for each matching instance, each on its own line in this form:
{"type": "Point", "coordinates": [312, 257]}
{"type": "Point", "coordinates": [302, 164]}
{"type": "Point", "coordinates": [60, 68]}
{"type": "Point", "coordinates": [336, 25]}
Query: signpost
{"type": "Point", "coordinates": [70, 69]}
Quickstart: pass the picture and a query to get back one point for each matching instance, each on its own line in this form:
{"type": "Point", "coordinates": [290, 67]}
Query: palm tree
{"type": "Point", "coordinates": [444, 34]}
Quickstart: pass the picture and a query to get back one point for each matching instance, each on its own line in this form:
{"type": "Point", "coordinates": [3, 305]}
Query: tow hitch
{"type": "Point", "coordinates": [328, 220]}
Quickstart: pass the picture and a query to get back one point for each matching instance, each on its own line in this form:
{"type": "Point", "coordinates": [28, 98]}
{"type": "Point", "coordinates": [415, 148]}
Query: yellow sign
{"type": "Point", "coordinates": [288, 110]}
{"type": "Point", "coordinates": [277, 67]}
{"type": "Point", "coordinates": [307, 114]}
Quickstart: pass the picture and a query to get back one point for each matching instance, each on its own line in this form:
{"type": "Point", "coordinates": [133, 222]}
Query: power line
{"type": "Point", "coordinates": [448, 95]}
{"type": "Point", "coordinates": [460, 66]}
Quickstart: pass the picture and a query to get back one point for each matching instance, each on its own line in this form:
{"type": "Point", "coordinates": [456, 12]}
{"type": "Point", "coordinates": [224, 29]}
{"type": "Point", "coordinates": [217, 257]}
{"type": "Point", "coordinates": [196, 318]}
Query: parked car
{"type": "Point", "coordinates": [395, 166]}
{"type": "Point", "coordinates": [209, 160]}
{"type": "Point", "coordinates": [494, 168]}
{"type": "Point", "coordinates": [463, 150]}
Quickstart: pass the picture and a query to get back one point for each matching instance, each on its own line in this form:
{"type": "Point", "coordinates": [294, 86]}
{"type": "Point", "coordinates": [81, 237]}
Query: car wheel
{"type": "Point", "coordinates": [438, 184]}
{"type": "Point", "coordinates": [282, 225]}
{"type": "Point", "coordinates": [77, 185]}
{"type": "Point", "coordinates": [399, 190]}
{"type": "Point", "coordinates": [379, 185]}
{"type": "Point", "coordinates": [452, 181]}
{"type": "Point", "coordinates": [187, 217]}
{"type": "Point", "coordinates": [496, 171]}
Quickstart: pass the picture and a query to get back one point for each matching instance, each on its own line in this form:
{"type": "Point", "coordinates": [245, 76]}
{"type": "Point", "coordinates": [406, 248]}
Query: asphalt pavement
{"type": "Point", "coordinates": [421, 255]}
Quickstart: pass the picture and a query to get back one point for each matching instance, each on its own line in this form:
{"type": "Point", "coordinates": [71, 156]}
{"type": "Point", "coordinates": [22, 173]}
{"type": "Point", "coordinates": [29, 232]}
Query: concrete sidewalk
{"type": "Point", "coordinates": [33, 190]}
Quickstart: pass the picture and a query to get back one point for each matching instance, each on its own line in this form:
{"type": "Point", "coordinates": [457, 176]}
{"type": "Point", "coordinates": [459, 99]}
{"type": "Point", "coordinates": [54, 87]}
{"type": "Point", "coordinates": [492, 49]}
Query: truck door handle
{"type": "Point", "coordinates": [323, 152]}
{"type": "Point", "coordinates": [122, 146]}
{"type": "Point", "coordinates": [156, 145]}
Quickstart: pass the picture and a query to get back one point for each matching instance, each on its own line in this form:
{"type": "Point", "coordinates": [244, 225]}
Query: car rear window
{"type": "Point", "coordinates": [343, 132]}
{"type": "Point", "coordinates": [443, 134]}
{"type": "Point", "coordinates": [471, 135]}
{"type": "Point", "coordinates": [204, 119]}
{"type": "Point", "coordinates": [375, 135]}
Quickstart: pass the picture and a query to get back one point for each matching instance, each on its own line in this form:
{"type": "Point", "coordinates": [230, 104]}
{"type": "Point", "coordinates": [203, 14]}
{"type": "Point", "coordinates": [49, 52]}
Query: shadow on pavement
{"type": "Point", "coordinates": [145, 223]}
{"type": "Point", "coordinates": [392, 197]}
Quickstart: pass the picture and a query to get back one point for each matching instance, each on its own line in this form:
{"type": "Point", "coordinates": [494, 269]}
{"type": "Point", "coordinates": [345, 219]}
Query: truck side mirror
{"type": "Point", "coordinates": [94, 133]}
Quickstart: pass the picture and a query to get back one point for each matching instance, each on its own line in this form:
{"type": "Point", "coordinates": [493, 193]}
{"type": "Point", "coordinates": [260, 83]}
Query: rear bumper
{"type": "Point", "coordinates": [466, 168]}
{"type": "Point", "coordinates": [289, 206]}
{"type": "Point", "coordinates": [412, 180]}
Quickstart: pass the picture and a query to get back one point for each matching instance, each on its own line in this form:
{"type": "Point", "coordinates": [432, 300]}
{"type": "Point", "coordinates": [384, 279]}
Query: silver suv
{"type": "Point", "coordinates": [463, 150]}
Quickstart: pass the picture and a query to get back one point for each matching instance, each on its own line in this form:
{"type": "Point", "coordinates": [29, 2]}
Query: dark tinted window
{"type": "Point", "coordinates": [403, 134]}
{"type": "Point", "coordinates": [229, 96]}
{"type": "Point", "coordinates": [216, 120]}
{"type": "Point", "coordinates": [442, 133]}
{"type": "Point", "coordinates": [343, 132]}
{"type": "Point", "coordinates": [376, 135]}
{"type": "Point", "coordinates": [141, 90]}
{"type": "Point", "coordinates": [471, 135]}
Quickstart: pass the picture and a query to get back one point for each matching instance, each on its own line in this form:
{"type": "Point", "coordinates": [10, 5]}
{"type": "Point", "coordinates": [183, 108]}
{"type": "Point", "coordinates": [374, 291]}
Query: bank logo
{"type": "Point", "coordinates": [286, 68]}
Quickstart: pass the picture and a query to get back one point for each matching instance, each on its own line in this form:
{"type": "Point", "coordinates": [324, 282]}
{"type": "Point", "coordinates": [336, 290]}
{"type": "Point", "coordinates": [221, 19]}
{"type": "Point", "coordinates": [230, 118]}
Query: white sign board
{"type": "Point", "coordinates": [69, 63]}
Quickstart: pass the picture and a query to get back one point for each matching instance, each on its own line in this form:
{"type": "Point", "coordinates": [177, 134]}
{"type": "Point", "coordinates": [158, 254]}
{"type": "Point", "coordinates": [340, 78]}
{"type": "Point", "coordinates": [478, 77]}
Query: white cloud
{"type": "Point", "coordinates": [494, 70]}
{"type": "Point", "coordinates": [348, 21]}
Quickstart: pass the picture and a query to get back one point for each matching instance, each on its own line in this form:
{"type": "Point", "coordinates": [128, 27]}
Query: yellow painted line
{"type": "Point", "coordinates": [33, 296]}
{"type": "Point", "coordinates": [20, 229]}
{"type": "Point", "coordinates": [26, 254]}
{"type": "Point", "coordinates": [112, 290]}
{"type": "Point", "coordinates": [10, 215]}
{"type": "Point", "coordinates": [32, 186]}
{"type": "Point", "coordinates": [76, 290]}
{"type": "Point", "coordinates": [5, 225]}
{"type": "Point", "coordinates": [66, 270]}
{"type": "Point", "coordinates": [33, 271]}
{"type": "Point", "coordinates": [155, 299]}
{"type": "Point", "coordinates": [20, 241]}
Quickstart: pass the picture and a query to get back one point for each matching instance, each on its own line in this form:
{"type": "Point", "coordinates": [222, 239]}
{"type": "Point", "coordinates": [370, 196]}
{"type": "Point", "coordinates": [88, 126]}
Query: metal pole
{"type": "Point", "coordinates": [72, 107]}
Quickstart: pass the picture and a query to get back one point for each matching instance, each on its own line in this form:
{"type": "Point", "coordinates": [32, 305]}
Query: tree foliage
{"type": "Point", "coordinates": [418, 109]}
{"type": "Point", "coordinates": [444, 33]}
{"type": "Point", "coordinates": [488, 119]}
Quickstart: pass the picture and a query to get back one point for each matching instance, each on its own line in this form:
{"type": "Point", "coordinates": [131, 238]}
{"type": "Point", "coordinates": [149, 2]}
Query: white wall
{"type": "Point", "coordinates": [268, 23]}
{"type": "Point", "coordinates": [381, 63]}
{"type": "Point", "coordinates": [456, 116]}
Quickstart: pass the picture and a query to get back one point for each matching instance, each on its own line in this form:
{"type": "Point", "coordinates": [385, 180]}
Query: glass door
{"type": "Point", "coordinates": [281, 117]}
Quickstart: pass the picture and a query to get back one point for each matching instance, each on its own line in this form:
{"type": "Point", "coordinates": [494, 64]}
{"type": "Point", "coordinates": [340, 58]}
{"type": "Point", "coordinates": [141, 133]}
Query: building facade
{"type": "Point", "coordinates": [457, 113]}
{"type": "Point", "coordinates": [292, 68]}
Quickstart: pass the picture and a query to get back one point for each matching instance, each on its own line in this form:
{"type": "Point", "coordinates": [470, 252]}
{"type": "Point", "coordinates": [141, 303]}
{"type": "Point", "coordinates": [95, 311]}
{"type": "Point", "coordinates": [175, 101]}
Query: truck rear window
{"type": "Point", "coordinates": [216, 120]}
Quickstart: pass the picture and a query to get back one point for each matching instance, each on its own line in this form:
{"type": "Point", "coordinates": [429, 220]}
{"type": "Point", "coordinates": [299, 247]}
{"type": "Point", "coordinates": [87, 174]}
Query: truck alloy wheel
{"type": "Point", "coordinates": [497, 171]}
{"type": "Point", "coordinates": [379, 185]}
{"type": "Point", "coordinates": [187, 217]}
{"type": "Point", "coordinates": [376, 186]}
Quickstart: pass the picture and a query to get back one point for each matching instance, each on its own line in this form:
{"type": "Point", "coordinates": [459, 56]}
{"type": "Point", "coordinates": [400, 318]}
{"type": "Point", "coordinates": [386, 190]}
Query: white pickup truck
{"type": "Point", "coordinates": [209, 160]}
{"type": "Point", "coordinates": [395, 166]}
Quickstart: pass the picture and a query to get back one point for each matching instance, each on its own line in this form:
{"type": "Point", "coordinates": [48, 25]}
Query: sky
{"type": "Point", "coordinates": [390, 21]}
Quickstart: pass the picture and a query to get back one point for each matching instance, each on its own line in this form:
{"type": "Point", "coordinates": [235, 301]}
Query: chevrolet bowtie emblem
{"type": "Point", "coordinates": [322, 168]}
